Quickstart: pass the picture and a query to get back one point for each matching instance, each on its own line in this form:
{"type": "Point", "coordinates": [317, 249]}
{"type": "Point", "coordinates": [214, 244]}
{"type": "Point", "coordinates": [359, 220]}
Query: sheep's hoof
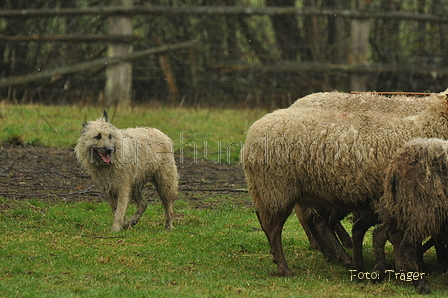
{"type": "Point", "coordinates": [285, 272]}
{"type": "Point", "coordinates": [379, 279]}
{"type": "Point", "coordinates": [345, 260]}
{"type": "Point", "coordinates": [422, 288]}
{"type": "Point", "coordinates": [379, 270]}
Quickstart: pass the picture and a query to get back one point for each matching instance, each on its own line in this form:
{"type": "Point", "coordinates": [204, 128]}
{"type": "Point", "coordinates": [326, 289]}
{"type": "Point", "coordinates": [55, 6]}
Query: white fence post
{"type": "Point", "coordinates": [118, 88]}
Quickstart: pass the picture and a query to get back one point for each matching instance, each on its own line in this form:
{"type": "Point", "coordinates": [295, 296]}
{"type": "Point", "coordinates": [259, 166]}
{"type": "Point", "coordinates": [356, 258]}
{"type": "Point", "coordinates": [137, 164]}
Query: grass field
{"type": "Point", "coordinates": [63, 248]}
{"type": "Point", "coordinates": [66, 250]}
{"type": "Point", "coordinates": [193, 130]}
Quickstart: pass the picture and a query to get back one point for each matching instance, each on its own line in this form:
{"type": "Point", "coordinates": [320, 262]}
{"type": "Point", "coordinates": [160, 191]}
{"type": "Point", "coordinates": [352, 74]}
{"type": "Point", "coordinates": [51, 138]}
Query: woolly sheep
{"type": "Point", "coordinates": [415, 201]}
{"type": "Point", "coordinates": [317, 223]}
{"type": "Point", "coordinates": [399, 105]}
{"type": "Point", "coordinates": [325, 159]}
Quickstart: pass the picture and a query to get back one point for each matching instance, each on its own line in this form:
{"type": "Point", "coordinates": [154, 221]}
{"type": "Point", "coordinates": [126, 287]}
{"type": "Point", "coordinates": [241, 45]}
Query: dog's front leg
{"type": "Point", "coordinates": [122, 205]}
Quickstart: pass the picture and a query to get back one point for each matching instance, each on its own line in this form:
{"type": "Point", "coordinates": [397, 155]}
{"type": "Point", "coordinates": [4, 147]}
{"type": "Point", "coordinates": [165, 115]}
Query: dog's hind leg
{"type": "Point", "coordinates": [122, 205]}
{"type": "Point", "coordinates": [141, 207]}
{"type": "Point", "coordinates": [166, 186]}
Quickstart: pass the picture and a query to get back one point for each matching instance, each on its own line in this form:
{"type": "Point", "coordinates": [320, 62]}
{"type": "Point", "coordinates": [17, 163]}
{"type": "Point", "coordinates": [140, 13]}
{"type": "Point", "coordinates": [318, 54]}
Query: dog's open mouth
{"type": "Point", "coordinates": [104, 154]}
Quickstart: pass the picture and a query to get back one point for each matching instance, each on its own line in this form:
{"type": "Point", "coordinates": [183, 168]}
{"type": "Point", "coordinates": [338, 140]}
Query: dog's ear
{"type": "Point", "coordinates": [105, 116]}
{"type": "Point", "coordinates": [84, 127]}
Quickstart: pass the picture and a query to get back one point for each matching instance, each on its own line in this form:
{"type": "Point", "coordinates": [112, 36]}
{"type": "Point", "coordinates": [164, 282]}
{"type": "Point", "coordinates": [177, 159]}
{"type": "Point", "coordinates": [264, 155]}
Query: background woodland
{"type": "Point", "coordinates": [241, 60]}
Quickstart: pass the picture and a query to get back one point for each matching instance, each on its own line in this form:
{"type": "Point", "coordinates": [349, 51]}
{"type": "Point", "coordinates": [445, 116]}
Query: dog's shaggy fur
{"type": "Point", "coordinates": [121, 161]}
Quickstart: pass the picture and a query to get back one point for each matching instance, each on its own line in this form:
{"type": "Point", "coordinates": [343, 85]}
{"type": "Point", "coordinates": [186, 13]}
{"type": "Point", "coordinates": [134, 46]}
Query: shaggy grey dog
{"type": "Point", "coordinates": [122, 161]}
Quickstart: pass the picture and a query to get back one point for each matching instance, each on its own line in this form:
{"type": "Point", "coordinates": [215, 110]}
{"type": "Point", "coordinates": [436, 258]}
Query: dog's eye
{"type": "Point", "coordinates": [110, 137]}
{"type": "Point", "coordinates": [98, 137]}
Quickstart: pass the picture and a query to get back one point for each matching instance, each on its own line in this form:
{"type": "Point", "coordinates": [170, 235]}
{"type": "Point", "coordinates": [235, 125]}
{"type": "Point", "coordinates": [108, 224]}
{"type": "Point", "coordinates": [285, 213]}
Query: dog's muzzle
{"type": "Point", "coordinates": [104, 154]}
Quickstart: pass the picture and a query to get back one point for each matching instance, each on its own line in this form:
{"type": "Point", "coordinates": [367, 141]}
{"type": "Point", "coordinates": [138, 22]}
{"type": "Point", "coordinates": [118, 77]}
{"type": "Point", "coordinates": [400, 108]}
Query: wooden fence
{"type": "Point", "coordinates": [357, 66]}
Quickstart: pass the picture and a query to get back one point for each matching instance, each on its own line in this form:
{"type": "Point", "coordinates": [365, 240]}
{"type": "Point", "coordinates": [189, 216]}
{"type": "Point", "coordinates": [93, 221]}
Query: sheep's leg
{"type": "Point", "coordinates": [166, 186]}
{"type": "Point", "coordinates": [320, 234]}
{"type": "Point", "coordinates": [395, 237]}
{"type": "Point", "coordinates": [272, 226]}
{"type": "Point", "coordinates": [304, 216]}
{"type": "Point", "coordinates": [419, 258]}
{"type": "Point", "coordinates": [329, 239]}
{"type": "Point", "coordinates": [141, 207]}
{"type": "Point", "coordinates": [311, 224]}
{"type": "Point", "coordinates": [343, 236]}
{"type": "Point", "coordinates": [334, 220]}
{"type": "Point", "coordinates": [428, 244]}
{"type": "Point", "coordinates": [410, 251]}
{"type": "Point", "coordinates": [363, 221]}
{"type": "Point", "coordinates": [359, 228]}
{"type": "Point", "coordinates": [441, 249]}
{"type": "Point", "coordinates": [379, 240]}
{"type": "Point", "coordinates": [122, 206]}
{"type": "Point", "coordinates": [325, 238]}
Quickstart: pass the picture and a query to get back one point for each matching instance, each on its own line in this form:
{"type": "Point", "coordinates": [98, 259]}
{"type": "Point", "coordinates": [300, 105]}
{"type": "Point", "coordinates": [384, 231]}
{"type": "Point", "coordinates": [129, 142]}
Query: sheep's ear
{"type": "Point", "coordinates": [442, 95]}
{"type": "Point", "coordinates": [105, 116]}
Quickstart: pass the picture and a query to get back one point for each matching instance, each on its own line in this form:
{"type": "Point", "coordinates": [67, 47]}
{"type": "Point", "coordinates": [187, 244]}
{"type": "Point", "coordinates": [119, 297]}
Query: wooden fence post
{"type": "Point", "coordinates": [359, 48]}
{"type": "Point", "coordinates": [118, 88]}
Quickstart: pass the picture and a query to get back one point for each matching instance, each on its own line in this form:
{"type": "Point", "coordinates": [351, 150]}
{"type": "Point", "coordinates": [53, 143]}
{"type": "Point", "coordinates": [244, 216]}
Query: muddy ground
{"type": "Point", "coordinates": [28, 172]}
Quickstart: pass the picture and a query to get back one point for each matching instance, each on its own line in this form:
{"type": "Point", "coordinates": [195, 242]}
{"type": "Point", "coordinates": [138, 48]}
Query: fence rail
{"type": "Point", "coordinates": [355, 60]}
{"type": "Point", "coordinates": [98, 63]}
{"type": "Point", "coordinates": [221, 10]}
{"type": "Point", "coordinates": [70, 38]}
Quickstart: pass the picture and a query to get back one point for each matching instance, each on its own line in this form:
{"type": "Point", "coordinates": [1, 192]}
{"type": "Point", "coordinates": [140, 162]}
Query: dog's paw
{"type": "Point", "coordinates": [116, 228]}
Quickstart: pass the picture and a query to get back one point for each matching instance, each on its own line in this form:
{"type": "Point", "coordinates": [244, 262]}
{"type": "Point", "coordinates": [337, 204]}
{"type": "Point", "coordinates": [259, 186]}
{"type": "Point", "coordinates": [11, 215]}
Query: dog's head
{"type": "Point", "coordinates": [99, 139]}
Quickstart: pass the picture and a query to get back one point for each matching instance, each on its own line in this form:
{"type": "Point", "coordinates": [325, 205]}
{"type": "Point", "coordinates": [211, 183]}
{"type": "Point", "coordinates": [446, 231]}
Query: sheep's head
{"type": "Point", "coordinates": [443, 94]}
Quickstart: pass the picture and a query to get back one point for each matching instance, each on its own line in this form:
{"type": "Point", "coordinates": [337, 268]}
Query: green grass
{"type": "Point", "coordinates": [65, 250]}
{"type": "Point", "coordinates": [203, 131]}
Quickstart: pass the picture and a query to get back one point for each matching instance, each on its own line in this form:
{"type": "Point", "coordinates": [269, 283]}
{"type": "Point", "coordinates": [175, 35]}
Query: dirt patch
{"type": "Point", "coordinates": [28, 172]}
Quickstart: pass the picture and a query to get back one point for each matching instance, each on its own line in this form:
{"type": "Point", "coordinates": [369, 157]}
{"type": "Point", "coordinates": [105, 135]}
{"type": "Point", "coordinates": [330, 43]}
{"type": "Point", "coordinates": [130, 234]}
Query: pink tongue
{"type": "Point", "coordinates": [105, 158]}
